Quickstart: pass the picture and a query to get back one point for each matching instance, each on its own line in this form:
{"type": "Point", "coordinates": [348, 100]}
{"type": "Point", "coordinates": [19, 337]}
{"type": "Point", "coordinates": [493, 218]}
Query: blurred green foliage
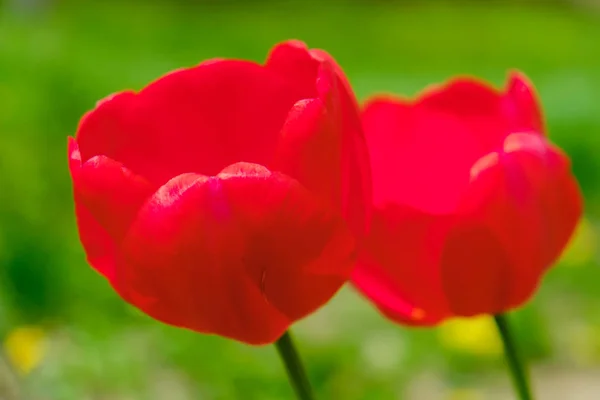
{"type": "Point", "coordinates": [56, 62]}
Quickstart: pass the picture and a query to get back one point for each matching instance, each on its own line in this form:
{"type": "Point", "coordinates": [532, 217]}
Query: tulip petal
{"type": "Point", "coordinates": [438, 137]}
{"type": "Point", "coordinates": [254, 251]}
{"type": "Point", "coordinates": [462, 97]}
{"type": "Point", "coordinates": [293, 60]}
{"type": "Point", "coordinates": [107, 199]}
{"type": "Point", "coordinates": [343, 83]}
{"type": "Point", "coordinates": [521, 106]}
{"type": "Point", "coordinates": [527, 202]}
{"type": "Point", "coordinates": [476, 271]}
{"type": "Point", "coordinates": [428, 153]}
{"type": "Point", "coordinates": [99, 247]}
{"type": "Point", "coordinates": [111, 192]}
{"type": "Point", "coordinates": [299, 249]}
{"type": "Point", "coordinates": [309, 150]}
{"type": "Point", "coordinates": [473, 170]}
{"type": "Point", "coordinates": [357, 188]}
{"type": "Point", "coordinates": [476, 104]}
{"type": "Point", "coordinates": [398, 267]}
{"type": "Point", "coordinates": [556, 197]}
{"type": "Point", "coordinates": [322, 143]}
{"type": "Point", "coordinates": [108, 130]}
{"type": "Point", "coordinates": [198, 120]}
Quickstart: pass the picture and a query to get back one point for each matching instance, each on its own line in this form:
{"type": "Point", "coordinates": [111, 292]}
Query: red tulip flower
{"type": "Point", "coordinates": [472, 202]}
{"type": "Point", "coordinates": [226, 198]}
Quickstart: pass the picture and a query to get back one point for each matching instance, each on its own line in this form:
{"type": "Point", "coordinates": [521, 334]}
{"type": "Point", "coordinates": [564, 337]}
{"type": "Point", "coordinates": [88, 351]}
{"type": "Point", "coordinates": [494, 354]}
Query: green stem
{"type": "Point", "coordinates": [515, 364]}
{"type": "Point", "coordinates": [293, 365]}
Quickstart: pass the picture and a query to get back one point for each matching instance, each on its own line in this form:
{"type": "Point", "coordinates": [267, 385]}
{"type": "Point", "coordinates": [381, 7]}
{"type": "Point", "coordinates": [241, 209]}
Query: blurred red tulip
{"type": "Point", "coordinates": [226, 198]}
{"type": "Point", "coordinates": [472, 203]}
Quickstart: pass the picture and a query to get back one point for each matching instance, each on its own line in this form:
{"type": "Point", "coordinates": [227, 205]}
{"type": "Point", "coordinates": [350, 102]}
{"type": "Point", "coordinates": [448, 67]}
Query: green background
{"type": "Point", "coordinates": [57, 59]}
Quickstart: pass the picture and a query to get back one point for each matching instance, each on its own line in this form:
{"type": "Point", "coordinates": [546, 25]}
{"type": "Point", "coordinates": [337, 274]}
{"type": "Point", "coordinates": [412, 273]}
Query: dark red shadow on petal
{"type": "Point", "coordinates": [476, 271]}
{"type": "Point", "coordinates": [499, 201]}
{"type": "Point", "coordinates": [399, 268]}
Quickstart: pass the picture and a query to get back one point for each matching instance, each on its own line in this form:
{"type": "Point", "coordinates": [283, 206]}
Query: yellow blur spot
{"type": "Point", "coordinates": [582, 343]}
{"type": "Point", "coordinates": [465, 394]}
{"type": "Point", "coordinates": [476, 336]}
{"type": "Point", "coordinates": [25, 347]}
{"type": "Point", "coordinates": [581, 248]}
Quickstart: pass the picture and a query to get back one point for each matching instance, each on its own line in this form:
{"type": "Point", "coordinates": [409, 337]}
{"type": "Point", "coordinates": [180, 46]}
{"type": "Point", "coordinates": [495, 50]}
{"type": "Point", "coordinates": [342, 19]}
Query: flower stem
{"type": "Point", "coordinates": [293, 365]}
{"type": "Point", "coordinates": [515, 364]}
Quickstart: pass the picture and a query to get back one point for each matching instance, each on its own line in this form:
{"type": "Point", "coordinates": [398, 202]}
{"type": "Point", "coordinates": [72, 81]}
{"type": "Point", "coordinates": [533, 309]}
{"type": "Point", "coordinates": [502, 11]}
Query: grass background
{"type": "Point", "coordinates": [58, 58]}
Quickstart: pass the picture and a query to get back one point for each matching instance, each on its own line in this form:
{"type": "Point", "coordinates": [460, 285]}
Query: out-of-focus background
{"type": "Point", "coordinates": [69, 337]}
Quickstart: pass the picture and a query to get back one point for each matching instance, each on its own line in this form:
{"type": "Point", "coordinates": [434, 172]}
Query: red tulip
{"type": "Point", "coordinates": [219, 197]}
{"type": "Point", "coordinates": [472, 202]}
